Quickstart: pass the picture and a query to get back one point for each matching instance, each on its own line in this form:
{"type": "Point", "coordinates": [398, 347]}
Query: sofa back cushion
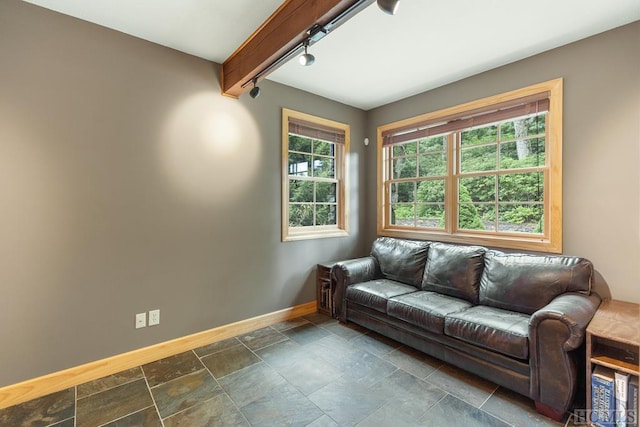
{"type": "Point", "coordinates": [526, 283]}
{"type": "Point", "coordinates": [401, 260]}
{"type": "Point", "coordinates": [454, 270]}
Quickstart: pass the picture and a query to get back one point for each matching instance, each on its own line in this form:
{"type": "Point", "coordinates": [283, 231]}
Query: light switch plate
{"type": "Point", "coordinates": [141, 320]}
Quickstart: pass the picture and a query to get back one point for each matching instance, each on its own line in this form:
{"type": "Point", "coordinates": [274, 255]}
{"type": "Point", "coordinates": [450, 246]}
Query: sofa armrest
{"type": "Point", "coordinates": [346, 273]}
{"type": "Point", "coordinates": [555, 331]}
{"type": "Point", "coordinates": [573, 310]}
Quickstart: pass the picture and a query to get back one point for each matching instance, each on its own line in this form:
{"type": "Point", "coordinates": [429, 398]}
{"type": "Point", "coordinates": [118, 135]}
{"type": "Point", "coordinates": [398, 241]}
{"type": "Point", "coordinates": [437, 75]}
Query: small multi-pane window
{"type": "Point", "coordinates": [502, 175]}
{"type": "Point", "coordinates": [418, 176]}
{"type": "Point", "coordinates": [313, 190]}
{"type": "Point", "coordinates": [487, 172]}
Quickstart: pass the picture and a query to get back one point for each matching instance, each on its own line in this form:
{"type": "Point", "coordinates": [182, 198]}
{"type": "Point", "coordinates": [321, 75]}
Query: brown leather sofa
{"type": "Point", "coordinates": [518, 320]}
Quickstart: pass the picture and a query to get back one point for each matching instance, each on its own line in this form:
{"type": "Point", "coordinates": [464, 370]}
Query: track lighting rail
{"type": "Point", "coordinates": [314, 34]}
{"type": "Point", "coordinates": [260, 55]}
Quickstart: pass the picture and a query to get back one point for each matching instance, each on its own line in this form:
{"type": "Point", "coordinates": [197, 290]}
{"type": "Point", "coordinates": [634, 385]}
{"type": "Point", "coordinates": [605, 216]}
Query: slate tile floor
{"type": "Point", "coordinates": [309, 371]}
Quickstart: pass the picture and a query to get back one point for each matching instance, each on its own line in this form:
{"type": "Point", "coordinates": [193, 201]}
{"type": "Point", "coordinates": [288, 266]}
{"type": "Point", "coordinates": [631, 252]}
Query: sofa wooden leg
{"type": "Point", "coordinates": [550, 412]}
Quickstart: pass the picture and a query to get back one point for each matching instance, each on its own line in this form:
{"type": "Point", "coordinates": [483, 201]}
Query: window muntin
{"type": "Point", "coordinates": [487, 172]}
{"type": "Point", "coordinates": [314, 151]}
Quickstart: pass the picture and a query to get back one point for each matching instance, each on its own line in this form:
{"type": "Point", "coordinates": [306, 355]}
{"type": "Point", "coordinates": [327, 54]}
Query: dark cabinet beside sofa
{"type": "Point", "coordinates": [325, 287]}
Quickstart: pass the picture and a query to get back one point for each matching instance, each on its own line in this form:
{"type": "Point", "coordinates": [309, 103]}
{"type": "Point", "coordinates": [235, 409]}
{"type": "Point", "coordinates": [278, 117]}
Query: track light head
{"type": "Point", "coordinates": [255, 91]}
{"type": "Point", "coordinates": [306, 58]}
{"type": "Point", "coordinates": [388, 6]}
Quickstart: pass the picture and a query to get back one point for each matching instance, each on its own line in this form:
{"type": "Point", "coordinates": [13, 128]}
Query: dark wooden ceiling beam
{"type": "Point", "coordinates": [285, 28]}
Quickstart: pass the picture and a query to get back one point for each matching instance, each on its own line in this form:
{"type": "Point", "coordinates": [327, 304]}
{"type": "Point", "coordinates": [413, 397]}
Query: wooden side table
{"type": "Point", "coordinates": [325, 288]}
{"type": "Point", "coordinates": [613, 340]}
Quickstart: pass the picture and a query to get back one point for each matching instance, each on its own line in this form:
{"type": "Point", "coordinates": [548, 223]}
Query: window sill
{"type": "Point", "coordinates": [536, 244]}
{"type": "Point", "coordinates": [313, 234]}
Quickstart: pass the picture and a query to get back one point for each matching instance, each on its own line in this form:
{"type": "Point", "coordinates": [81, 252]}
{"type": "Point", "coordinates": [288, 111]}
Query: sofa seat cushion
{"type": "Point", "coordinates": [375, 293]}
{"type": "Point", "coordinates": [425, 309]}
{"type": "Point", "coordinates": [504, 331]}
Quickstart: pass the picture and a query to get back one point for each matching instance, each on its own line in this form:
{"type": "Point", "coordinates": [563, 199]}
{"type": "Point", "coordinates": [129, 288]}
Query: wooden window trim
{"type": "Point", "coordinates": [342, 140]}
{"type": "Point", "coordinates": [551, 241]}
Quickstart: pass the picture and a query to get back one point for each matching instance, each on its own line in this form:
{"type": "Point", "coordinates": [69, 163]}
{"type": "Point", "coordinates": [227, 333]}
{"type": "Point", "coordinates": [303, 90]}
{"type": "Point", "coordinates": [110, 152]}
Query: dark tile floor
{"type": "Point", "coordinates": [310, 371]}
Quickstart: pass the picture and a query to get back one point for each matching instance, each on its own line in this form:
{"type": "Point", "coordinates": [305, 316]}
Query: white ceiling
{"type": "Point", "coordinates": [374, 58]}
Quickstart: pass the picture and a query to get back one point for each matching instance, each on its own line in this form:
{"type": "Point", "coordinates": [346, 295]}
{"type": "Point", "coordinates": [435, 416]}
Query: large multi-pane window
{"type": "Point", "coordinates": [313, 190]}
{"type": "Point", "coordinates": [487, 172]}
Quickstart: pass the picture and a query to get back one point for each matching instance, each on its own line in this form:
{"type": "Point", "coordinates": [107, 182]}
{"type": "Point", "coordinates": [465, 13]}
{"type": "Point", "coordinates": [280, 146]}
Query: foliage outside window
{"type": "Point", "coordinates": [313, 176]}
{"type": "Point", "coordinates": [487, 172]}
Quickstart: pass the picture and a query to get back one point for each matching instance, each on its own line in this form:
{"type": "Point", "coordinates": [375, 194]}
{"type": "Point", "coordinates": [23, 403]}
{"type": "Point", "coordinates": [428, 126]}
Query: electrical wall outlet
{"type": "Point", "coordinates": [141, 320]}
{"type": "Point", "coordinates": [154, 317]}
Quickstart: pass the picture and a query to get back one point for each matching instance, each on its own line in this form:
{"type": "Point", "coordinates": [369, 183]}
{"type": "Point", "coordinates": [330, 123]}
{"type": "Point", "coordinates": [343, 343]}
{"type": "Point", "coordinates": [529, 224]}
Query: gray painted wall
{"type": "Point", "coordinates": [601, 144]}
{"type": "Point", "coordinates": [128, 183]}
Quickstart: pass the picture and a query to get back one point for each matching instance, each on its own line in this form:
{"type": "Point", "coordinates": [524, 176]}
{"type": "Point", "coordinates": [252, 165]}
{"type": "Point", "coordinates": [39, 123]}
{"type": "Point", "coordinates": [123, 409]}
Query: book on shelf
{"type": "Point", "coordinates": [603, 402]}
{"type": "Point", "coordinates": [621, 391]}
{"type": "Point", "coordinates": [632, 402]}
